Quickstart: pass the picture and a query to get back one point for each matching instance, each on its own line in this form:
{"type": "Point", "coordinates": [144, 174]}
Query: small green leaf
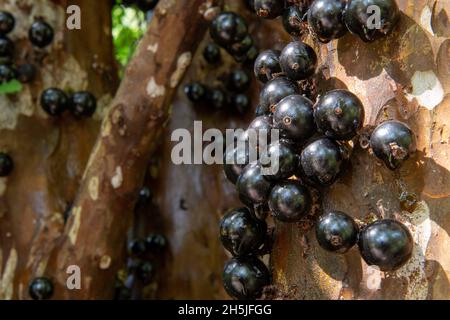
{"type": "Point", "coordinates": [12, 86]}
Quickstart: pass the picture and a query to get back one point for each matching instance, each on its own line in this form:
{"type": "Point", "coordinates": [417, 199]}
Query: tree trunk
{"type": "Point", "coordinates": [404, 76]}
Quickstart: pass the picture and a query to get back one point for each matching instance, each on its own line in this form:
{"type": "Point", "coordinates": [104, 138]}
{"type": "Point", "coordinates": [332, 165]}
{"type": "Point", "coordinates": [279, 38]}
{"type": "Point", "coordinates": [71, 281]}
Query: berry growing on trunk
{"type": "Point", "coordinates": [274, 91]}
{"type": "Point", "coordinates": [41, 34]}
{"type": "Point", "coordinates": [40, 289]}
{"type": "Point", "coordinates": [267, 65]}
{"type": "Point", "coordinates": [336, 232]}
{"type": "Point", "coordinates": [54, 101]}
{"type": "Point", "coordinates": [298, 60]}
{"type": "Point", "coordinates": [269, 9]}
{"type": "Point", "coordinates": [228, 28]}
{"type": "Point", "coordinates": [7, 22]}
{"type": "Point", "coordinates": [82, 104]}
{"type": "Point", "coordinates": [289, 201]}
{"type": "Point", "coordinates": [325, 17]}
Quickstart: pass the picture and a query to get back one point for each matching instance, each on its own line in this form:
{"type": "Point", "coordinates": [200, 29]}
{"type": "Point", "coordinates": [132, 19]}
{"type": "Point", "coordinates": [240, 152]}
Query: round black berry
{"type": "Point", "coordinates": [6, 48]}
{"type": "Point", "coordinates": [298, 60]}
{"type": "Point", "coordinates": [217, 98]}
{"type": "Point", "coordinates": [195, 91]}
{"type": "Point", "coordinates": [325, 17]}
{"type": "Point", "coordinates": [211, 53]}
{"type": "Point", "coordinates": [241, 233]}
{"type": "Point", "coordinates": [54, 101]}
{"type": "Point", "coordinates": [293, 20]}
{"type": "Point", "coordinates": [267, 65]}
{"type": "Point", "coordinates": [359, 20]}
{"type": "Point", "coordinates": [41, 34]}
{"type": "Point", "coordinates": [155, 243]}
{"type": "Point", "coordinates": [293, 116]}
{"type": "Point", "coordinates": [336, 232]}
{"type": "Point", "coordinates": [82, 104]}
{"type": "Point", "coordinates": [252, 186]}
{"type": "Point", "coordinates": [40, 289]}
{"type": "Point", "coordinates": [386, 243]}
{"type": "Point", "coordinates": [7, 73]}
{"type": "Point", "coordinates": [269, 9]}
{"type": "Point", "coordinates": [245, 278]}
{"type": "Point", "coordinates": [274, 91]}
{"type": "Point", "coordinates": [7, 22]}
{"type": "Point", "coordinates": [281, 160]}
{"type": "Point", "coordinates": [26, 73]}
{"type": "Point", "coordinates": [393, 142]}
{"type": "Point", "coordinates": [241, 102]}
{"type": "Point", "coordinates": [289, 201]}
{"type": "Point", "coordinates": [240, 48]}
{"type": "Point", "coordinates": [339, 114]}
{"type": "Point", "coordinates": [6, 164]}
{"type": "Point", "coordinates": [137, 247]}
{"type": "Point", "coordinates": [238, 81]}
{"type": "Point", "coordinates": [228, 28]}
{"type": "Point", "coordinates": [146, 5]}
{"type": "Point", "coordinates": [321, 161]}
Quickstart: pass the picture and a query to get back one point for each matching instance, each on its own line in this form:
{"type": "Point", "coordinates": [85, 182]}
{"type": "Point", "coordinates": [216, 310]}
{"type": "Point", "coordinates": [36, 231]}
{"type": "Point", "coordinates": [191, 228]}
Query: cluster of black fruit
{"type": "Point", "coordinates": [144, 5]}
{"type": "Point", "coordinates": [229, 31]}
{"type": "Point", "coordinates": [40, 35]}
{"type": "Point", "coordinates": [142, 253]}
{"type": "Point", "coordinates": [232, 94]}
{"type": "Point", "coordinates": [55, 101]}
{"type": "Point", "coordinates": [312, 152]}
{"type": "Point", "coordinates": [330, 19]}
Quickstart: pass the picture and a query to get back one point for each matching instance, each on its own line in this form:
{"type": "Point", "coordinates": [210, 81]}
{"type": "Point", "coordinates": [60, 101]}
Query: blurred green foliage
{"type": "Point", "coordinates": [12, 86]}
{"type": "Point", "coordinates": [128, 27]}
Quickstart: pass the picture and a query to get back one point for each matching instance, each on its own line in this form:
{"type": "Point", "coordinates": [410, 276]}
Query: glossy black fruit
{"type": "Point", "coordinates": [293, 20]}
{"type": "Point", "coordinates": [137, 247]}
{"type": "Point", "coordinates": [336, 232]}
{"type": "Point", "coordinates": [6, 48]}
{"type": "Point", "coordinates": [321, 161]}
{"type": "Point", "coordinates": [228, 28]}
{"type": "Point", "coordinates": [54, 101]}
{"type": "Point", "coordinates": [386, 243]}
{"type": "Point", "coordinates": [359, 19]}
{"type": "Point", "coordinates": [294, 117]}
{"type": "Point", "coordinates": [82, 104]}
{"type": "Point", "coordinates": [325, 17]}
{"type": "Point", "coordinates": [7, 73]}
{"type": "Point", "coordinates": [240, 48]}
{"type": "Point", "coordinates": [393, 142]}
{"type": "Point", "coordinates": [289, 201]}
{"type": "Point", "coordinates": [40, 289]}
{"type": "Point", "coordinates": [211, 53]}
{"type": "Point", "coordinates": [339, 114]}
{"type": "Point", "coordinates": [252, 187]}
{"type": "Point", "coordinates": [41, 34]}
{"type": "Point", "coordinates": [195, 91]}
{"type": "Point", "coordinates": [7, 22]}
{"type": "Point", "coordinates": [145, 195]}
{"type": "Point", "coordinates": [146, 5]}
{"type": "Point", "coordinates": [26, 73]}
{"type": "Point", "coordinates": [241, 102]}
{"type": "Point", "coordinates": [217, 98]}
{"type": "Point", "coordinates": [155, 243]}
{"type": "Point", "coordinates": [269, 9]}
{"type": "Point", "coordinates": [298, 60]}
{"type": "Point", "coordinates": [245, 278]}
{"type": "Point", "coordinates": [267, 64]}
{"type": "Point", "coordinates": [281, 160]}
{"type": "Point", "coordinates": [6, 164]}
{"type": "Point", "coordinates": [274, 91]}
{"type": "Point", "coordinates": [241, 232]}
{"type": "Point", "coordinates": [238, 81]}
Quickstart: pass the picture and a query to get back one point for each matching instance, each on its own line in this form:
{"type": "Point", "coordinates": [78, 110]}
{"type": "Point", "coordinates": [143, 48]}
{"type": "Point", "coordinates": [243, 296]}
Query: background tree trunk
{"type": "Point", "coordinates": [404, 76]}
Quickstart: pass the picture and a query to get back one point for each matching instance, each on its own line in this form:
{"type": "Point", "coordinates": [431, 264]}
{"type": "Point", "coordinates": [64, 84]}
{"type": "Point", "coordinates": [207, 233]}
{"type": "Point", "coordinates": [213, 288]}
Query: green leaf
{"type": "Point", "coordinates": [12, 86]}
